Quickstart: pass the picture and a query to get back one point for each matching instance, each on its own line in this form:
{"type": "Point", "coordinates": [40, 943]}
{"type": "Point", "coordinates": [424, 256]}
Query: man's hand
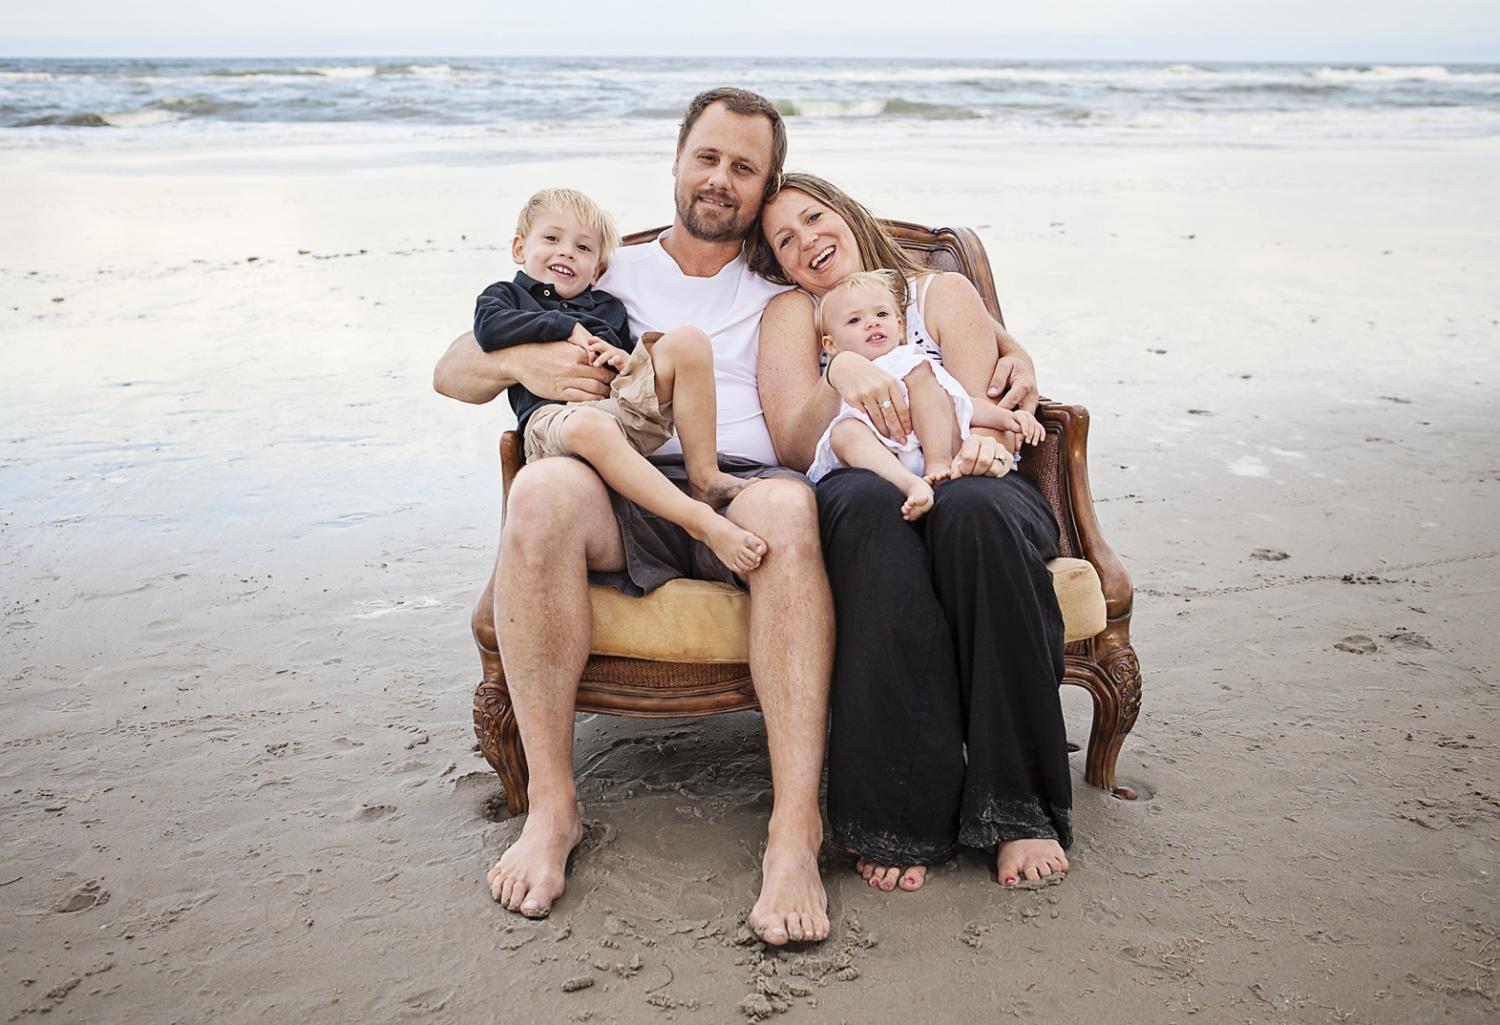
{"type": "Point", "coordinates": [561, 370]}
{"type": "Point", "coordinates": [1014, 382]}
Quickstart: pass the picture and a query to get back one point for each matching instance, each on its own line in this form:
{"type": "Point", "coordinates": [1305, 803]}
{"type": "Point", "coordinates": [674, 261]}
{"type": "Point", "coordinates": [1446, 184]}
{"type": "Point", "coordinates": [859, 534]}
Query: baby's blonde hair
{"type": "Point", "coordinates": [570, 201]}
{"type": "Point", "coordinates": [888, 280]}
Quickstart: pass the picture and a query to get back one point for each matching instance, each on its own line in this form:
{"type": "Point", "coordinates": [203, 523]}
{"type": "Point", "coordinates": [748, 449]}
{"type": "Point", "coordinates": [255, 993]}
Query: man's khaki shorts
{"type": "Point", "coordinates": [632, 404]}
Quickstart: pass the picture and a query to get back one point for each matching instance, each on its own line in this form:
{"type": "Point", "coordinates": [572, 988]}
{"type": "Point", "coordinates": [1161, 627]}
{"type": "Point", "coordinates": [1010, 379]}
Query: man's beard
{"type": "Point", "coordinates": [704, 230]}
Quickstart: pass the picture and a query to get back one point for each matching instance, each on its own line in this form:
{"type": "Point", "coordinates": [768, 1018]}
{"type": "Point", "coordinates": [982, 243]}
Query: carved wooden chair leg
{"type": "Point", "coordinates": [1114, 715]}
{"type": "Point", "coordinates": [500, 740]}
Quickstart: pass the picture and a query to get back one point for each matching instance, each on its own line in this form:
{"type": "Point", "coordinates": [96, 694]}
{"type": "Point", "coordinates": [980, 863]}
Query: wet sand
{"type": "Point", "coordinates": [241, 535]}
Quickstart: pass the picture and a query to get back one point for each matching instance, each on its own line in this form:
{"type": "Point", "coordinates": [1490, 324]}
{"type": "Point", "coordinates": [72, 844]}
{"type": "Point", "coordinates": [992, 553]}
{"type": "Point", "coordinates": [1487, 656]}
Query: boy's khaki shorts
{"type": "Point", "coordinates": [632, 404]}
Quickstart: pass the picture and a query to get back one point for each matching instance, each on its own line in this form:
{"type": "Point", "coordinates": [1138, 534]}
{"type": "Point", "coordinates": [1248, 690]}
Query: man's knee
{"type": "Point", "coordinates": [783, 512]}
{"type": "Point", "coordinates": [547, 496]}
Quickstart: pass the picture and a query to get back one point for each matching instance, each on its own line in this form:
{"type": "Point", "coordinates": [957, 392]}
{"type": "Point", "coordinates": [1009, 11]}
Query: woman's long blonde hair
{"type": "Point", "coordinates": [877, 249]}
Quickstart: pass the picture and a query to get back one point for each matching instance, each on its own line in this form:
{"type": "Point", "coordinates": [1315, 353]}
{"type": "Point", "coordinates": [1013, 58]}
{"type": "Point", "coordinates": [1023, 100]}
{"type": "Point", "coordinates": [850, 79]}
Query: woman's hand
{"type": "Point", "coordinates": [866, 387]}
{"type": "Point", "coordinates": [982, 455]}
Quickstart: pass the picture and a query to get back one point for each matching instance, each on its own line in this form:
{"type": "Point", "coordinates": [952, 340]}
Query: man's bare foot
{"type": "Point", "coordinates": [718, 488]}
{"type": "Point", "coordinates": [1020, 860]}
{"type": "Point", "coordinates": [918, 499]}
{"type": "Point", "coordinates": [735, 546]}
{"type": "Point", "coordinates": [530, 875]}
{"type": "Point", "coordinates": [793, 905]}
{"type": "Point", "coordinates": [888, 877]}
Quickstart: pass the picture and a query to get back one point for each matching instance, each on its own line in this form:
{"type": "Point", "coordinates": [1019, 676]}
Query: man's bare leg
{"type": "Point", "coordinates": [558, 525]}
{"type": "Point", "coordinates": [791, 661]}
{"type": "Point", "coordinates": [683, 363]}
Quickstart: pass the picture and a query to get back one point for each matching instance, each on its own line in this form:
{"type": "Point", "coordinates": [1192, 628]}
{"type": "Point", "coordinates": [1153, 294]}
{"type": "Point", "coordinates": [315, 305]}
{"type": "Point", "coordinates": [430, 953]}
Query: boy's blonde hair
{"type": "Point", "coordinates": [570, 201]}
{"type": "Point", "coordinates": [887, 280]}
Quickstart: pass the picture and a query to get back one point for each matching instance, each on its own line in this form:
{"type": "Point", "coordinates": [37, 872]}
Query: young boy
{"type": "Point", "coordinates": [563, 243]}
{"type": "Point", "coordinates": [865, 313]}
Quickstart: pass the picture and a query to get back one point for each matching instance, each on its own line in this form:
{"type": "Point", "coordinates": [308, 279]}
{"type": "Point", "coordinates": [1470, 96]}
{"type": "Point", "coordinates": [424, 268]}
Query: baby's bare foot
{"type": "Point", "coordinates": [918, 499]}
{"type": "Point", "coordinates": [1033, 859]}
{"type": "Point", "coordinates": [888, 877]}
{"type": "Point", "coordinates": [735, 546]}
{"type": "Point", "coordinates": [718, 489]}
{"type": "Point", "coordinates": [937, 473]}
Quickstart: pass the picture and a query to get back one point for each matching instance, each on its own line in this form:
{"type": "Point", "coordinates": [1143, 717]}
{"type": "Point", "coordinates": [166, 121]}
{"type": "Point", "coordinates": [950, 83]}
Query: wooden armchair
{"type": "Point", "coordinates": [642, 666]}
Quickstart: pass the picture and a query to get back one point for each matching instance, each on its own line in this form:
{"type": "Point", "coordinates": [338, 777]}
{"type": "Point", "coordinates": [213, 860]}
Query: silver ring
{"type": "Point", "coordinates": [886, 404]}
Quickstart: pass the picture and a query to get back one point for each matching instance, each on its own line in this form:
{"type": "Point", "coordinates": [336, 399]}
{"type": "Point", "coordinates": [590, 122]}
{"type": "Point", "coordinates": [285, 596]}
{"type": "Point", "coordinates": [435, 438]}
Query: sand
{"type": "Point", "coordinates": [240, 536]}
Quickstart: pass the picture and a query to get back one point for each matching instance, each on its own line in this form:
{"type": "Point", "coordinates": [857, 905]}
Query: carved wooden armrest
{"type": "Point", "coordinates": [1060, 468]}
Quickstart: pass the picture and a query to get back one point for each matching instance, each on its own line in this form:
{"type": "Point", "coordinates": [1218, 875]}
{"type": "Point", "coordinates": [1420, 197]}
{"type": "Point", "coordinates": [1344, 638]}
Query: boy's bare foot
{"type": "Point", "coordinates": [918, 499]}
{"type": "Point", "coordinates": [793, 906]}
{"type": "Point", "coordinates": [718, 489]}
{"type": "Point", "coordinates": [735, 546]}
{"type": "Point", "coordinates": [1021, 860]}
{"type": "Point", "coordinates": [530, 875]}
{"type": "Point", "coordinates": [888, 877]}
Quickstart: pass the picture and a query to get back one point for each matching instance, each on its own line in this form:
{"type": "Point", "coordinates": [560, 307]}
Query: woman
{"type": "Point", "coordinates": [946, 720]}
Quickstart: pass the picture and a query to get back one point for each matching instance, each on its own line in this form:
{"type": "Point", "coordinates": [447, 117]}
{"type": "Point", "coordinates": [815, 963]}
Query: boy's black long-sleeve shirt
{"type": "Point", "coordinates": [525, 310]}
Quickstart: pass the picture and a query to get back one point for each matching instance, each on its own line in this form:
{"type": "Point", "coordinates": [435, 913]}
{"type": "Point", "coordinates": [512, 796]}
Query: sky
{"type": "Point", "coordinates": [1435, 31]}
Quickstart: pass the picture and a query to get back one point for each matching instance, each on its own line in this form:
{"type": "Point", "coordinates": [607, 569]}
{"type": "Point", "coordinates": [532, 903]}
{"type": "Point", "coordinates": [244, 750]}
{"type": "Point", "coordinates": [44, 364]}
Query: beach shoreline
{"type": "Point", "coordinates": [242, 535]}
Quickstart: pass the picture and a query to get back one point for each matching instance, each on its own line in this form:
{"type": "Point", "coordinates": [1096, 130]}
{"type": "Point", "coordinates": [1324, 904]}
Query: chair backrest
{"type": "Point", "coordinates": [944, 249]}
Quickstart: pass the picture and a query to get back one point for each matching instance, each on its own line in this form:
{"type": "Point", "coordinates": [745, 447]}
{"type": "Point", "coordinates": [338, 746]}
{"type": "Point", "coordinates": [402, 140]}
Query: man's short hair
{"type": "Point", "coordinates": [886, 280]}
{"type": "Point", "coordinates": [570, 201]}
{"type": "Point", "coordinates": [746, 104]}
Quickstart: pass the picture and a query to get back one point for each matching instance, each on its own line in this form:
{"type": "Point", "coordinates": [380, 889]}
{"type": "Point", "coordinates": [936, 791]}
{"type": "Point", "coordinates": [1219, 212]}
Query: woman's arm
{"type": "Point", "coordinates": [798, 406]}
{"type": "Point", "coordinates": [553, 370]}
{"type": "Point", "coordinates": [970, 341]}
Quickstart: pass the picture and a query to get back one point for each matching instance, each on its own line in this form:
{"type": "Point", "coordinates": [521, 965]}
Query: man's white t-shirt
{"type": "Point", "coordinates": [727, 307]}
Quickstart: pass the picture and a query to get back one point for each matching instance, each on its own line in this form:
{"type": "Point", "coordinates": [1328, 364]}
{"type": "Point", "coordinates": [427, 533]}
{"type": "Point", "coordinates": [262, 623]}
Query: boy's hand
{"type": "Point", "coordinates": [606, 355]}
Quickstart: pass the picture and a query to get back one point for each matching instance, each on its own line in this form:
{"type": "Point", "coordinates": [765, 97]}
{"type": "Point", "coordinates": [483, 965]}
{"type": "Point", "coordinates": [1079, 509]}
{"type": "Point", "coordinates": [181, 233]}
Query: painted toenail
{"type": "Point", "coordinates": [1011, 880]}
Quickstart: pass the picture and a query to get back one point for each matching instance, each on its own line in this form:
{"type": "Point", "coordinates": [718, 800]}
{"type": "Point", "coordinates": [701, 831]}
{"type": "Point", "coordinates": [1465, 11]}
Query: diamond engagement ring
{"type": "Point", "coordinates": [886, 404]}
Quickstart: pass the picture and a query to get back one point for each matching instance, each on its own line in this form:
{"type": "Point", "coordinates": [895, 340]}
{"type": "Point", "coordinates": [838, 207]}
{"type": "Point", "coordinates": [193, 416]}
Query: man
{"type": "Point", "coordinates": [560, 525]}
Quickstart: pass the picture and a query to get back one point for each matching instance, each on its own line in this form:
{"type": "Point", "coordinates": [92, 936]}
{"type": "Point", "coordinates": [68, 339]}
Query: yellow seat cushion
{"type": "Point", "coordinates": [699, 621]}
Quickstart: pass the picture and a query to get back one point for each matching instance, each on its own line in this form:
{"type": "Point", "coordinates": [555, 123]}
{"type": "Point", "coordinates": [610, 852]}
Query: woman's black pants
{"type": "Point", "coordinates": [947, 725]}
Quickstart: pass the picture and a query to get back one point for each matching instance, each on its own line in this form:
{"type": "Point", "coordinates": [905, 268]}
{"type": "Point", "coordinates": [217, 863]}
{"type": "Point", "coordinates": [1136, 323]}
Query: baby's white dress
{"type": "Point", "coordinates": [899, 362]}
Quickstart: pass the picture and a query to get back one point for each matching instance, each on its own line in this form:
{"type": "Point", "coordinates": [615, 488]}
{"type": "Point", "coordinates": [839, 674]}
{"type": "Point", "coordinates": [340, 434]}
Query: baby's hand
{"type": "Point", "coordinates": [1030, 427]}
{"type": "Point", "coordinates": [606, 355]}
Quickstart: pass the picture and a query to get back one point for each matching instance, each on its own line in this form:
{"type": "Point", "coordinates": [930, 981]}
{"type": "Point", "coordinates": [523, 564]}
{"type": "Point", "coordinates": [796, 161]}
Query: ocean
{"type": "Point", "coordinates": [55, 101]}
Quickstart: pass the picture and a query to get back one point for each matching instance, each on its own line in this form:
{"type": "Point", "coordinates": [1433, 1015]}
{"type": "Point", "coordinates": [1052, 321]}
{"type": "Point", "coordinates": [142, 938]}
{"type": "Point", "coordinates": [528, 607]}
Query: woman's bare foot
{"type": "Point", "coordinates": [918, 499]}
{"type": "Point", "coordinates": [735, 546]}
{"type": "Point", "coordinates": [793, 906]}
{"type": "Point", "coordinates": [718, 488]}
{"type": "Point", "coordinates": [887, 877]}
{"type": "Point", "coordinates": [1021, 860]}
{"type": "Point", "coordinates": [530, 875]}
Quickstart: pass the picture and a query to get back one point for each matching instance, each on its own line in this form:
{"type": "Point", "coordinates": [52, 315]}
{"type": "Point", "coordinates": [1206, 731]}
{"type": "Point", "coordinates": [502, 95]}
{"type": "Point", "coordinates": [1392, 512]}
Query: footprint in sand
{"type": "Point", "coordinates": [81, 898]}
{"type": "Point", "coordinates": [374, 812]}
{"type": "Point", "coordinates": [1409, 640]}
{"type": "Point", "coordinates": [1269, 554]}
{"type": "Point", "coordinates": [1357, 644]}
